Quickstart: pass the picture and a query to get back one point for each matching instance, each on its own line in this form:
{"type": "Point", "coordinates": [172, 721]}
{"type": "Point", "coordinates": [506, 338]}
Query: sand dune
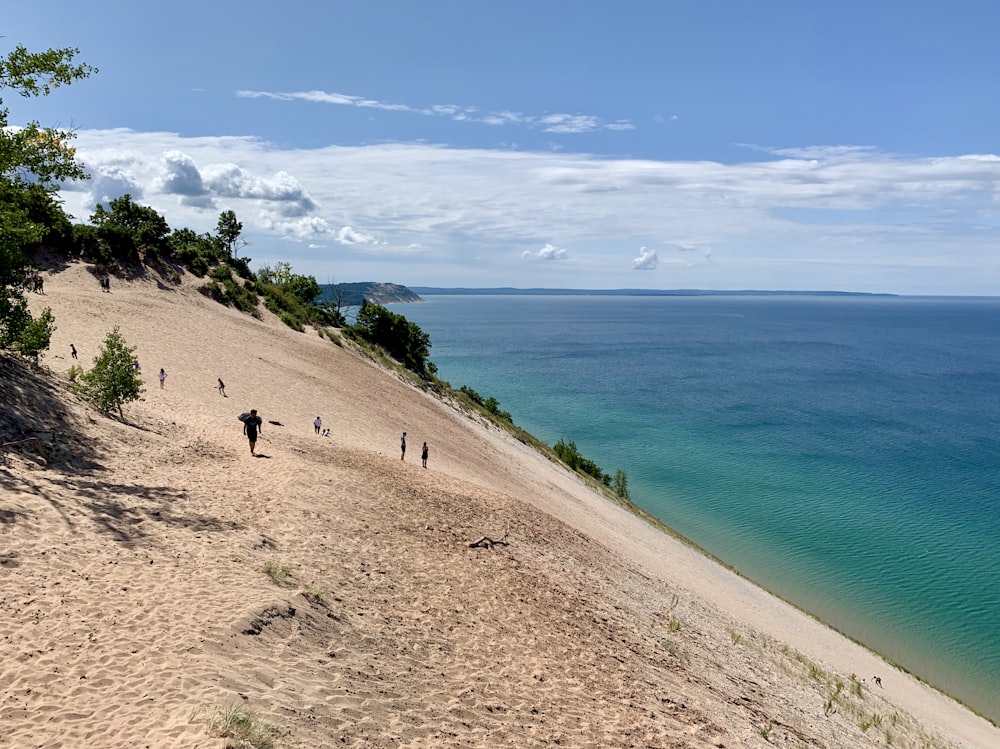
{"type": "Point", "coordinates": [135, 603]}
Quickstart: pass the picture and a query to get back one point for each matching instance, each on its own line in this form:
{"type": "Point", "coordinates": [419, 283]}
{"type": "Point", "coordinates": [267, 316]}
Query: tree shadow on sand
{"type": "Point", "coordinates": [123, 511]}
{"type": "Point", "coordinates": [38, 425]}
{"type": "Point", "coordinates": [37, 407]}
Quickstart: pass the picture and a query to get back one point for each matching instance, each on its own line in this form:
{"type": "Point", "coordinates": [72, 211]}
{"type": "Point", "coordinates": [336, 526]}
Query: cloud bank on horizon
{"type": "Point", "coordinates": [844, 218]}
{"type": "Point", "coordinates": [540, 177]}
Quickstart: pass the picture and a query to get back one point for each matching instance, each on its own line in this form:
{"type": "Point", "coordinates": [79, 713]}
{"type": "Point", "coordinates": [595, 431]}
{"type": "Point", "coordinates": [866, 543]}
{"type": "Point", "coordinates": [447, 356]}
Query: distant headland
{"type": "Point", "coordinates": [351, 294]}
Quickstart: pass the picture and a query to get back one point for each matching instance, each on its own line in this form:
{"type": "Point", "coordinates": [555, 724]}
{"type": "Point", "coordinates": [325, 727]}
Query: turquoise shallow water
{"type": "Point", "coordinates": [842, 452]}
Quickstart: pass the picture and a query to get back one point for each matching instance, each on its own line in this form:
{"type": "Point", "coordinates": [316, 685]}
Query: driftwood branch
{"type": "Point", "coordinates": [487, 543]}
{"type": "Point", "coordinates": [32, 440]}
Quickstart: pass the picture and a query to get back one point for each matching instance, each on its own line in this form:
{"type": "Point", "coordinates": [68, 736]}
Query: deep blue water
{"type": "Point", "coordinates": [842, 452]}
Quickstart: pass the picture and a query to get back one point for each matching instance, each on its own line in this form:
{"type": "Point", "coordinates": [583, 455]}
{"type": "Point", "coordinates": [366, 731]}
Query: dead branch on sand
{"type": "Point", "coordinates": [32, 440]}
{"type": "Point", "coordinates": [487, 543]}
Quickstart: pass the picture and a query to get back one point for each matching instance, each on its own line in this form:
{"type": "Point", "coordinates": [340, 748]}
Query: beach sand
{"type": "Point", "coordinates": [136, 604]}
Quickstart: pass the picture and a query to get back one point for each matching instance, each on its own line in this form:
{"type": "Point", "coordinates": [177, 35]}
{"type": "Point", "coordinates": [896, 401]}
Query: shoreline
{"type": "Point", "coordinates": [581, 629]}
{"type": "Point", "coordinates": [848, 603]}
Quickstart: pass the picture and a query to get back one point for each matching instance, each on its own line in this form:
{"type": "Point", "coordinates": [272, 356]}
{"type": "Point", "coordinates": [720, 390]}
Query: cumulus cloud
{"type": "Point", "coordinates": [786, 218]}
{"type": "Point", "coordinates": [350, 235]}
{"type": "Point", "coordinates": [647, 260]}
{"type": "Point", "coordinates": [180, 175]}
{"type": "Point", "coordinates": [300, 229]}
{"type": "Point", "coordinates": [233, 181]}
{"type": "Point", "coordinates": [548, 252]}
{"type": "Point", "coordinates": [112, 181]}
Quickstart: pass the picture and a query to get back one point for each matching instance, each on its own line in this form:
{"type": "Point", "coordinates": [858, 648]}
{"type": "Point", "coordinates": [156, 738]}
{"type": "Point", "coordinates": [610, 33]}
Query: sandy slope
{"type": "Point", "coordinates": [133, 593]}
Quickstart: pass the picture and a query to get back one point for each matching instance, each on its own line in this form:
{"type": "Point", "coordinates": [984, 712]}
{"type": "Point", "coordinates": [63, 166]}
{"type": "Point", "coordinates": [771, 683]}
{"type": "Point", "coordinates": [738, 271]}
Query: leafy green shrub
{"type": "Point", "coordinates": [35, 335]}
{"type": "Point", "coordinates": [403, 340]}
{"type": "Point", "coordinates": [472, 395]}
{"type": "Point", "coordinates": [198, 266]}
{"type": "Point", "coordinates": [619, 484]}
{"type": "Point", "coordinates": [291, 321]}
{"type": "Point", "coordinates": [87, 244]}
{"type": "Point", "coordinates": [570, 455]}
{"type": "Point", "coordinates": [215, 291]}
{"type": "Point", "coordinates": [221, 273]}
{"type": "Point", "coordinates": [114, 380]}
{"type": "Point", "coordinates": [230, 292]}
{"type": "Point", "coordinates": [242, 267]}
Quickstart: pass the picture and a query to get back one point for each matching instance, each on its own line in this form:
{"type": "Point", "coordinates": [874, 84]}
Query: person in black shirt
{"type": "Point", "coordinates": [251, 427]}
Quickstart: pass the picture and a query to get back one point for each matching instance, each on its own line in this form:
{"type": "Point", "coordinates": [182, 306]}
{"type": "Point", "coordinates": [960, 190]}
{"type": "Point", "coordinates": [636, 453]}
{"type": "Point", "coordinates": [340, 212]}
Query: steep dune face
{"type": "Point", "coordinates": [155, 571]}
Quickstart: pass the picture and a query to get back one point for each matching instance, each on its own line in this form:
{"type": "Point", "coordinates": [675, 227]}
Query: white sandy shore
{"type": "Point", "coordinates": [133, 594]}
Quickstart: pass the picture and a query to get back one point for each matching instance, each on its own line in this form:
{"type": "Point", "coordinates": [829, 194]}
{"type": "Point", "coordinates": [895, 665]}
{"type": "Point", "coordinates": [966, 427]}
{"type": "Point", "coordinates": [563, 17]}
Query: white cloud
{"type": "Point", "coordinates": [233, 181]}
{"type": "Point", "coordinates": [548, 252]}
{"type": "Point", "coordinates": [112, 181]}
{"type": "Point", "coordinates": [350, 235]}
{"type": "Point", "coordinates": [180, 176]}
{"type": "Point", "coordinates": [457, 212]}
{"type": "Point", "coordinates": [297, 229]}
{"type": "Point", "coordinates": [550, 123]}
{"type": "Point", "coordinates": [647, 260]}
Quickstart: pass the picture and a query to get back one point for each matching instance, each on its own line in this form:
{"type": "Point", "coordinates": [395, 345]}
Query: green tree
{"type": "Point", "coordinates": [113, 381]}
{"type": "Point", "coordinates": [33, 161]}
{"type": "Point", "coordinates": [619, 484]}
{"type": "Point", "coordinates": [229, 230]}
{"type": "Point", "coordinates": [569, 454]}
{"type": "Point", "coordinates": [403, 340]}
{"type": "Point", "coordinates": [16, 232]}
{"type": "Point", "coordinates": [35, 336]}
{"type": "Point", "coordinates": [303, 288]}
{"type": "Point", "coordinates": [130, 230]}
{"type": "Point", "coordinates": [32, 154]}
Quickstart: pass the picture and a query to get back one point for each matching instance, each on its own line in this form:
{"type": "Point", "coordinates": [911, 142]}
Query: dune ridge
{"type": "Point", "coordinates": [135, 601]}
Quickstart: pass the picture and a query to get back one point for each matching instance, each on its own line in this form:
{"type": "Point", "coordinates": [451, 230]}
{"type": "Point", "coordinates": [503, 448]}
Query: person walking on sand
{"type": "Point", "coordinates": [163, 377]}
{"type": "Point", "coordinates": [222, 388]}
{"type": "Point", "coordinates": [318, 424]}
{"type": "Point", "coordinates": [402, 447]}
{"type": "Point", "coordinates": [72, 350]}
{"type": "Point", "coordinates": [251, 427]}
{"type": "Point", "coordinates": [423, 455]}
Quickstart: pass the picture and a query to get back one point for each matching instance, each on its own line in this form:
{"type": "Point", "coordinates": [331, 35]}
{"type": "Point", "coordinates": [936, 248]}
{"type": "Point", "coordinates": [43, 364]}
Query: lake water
{"type": "Point", "coordinates": [841, 451]}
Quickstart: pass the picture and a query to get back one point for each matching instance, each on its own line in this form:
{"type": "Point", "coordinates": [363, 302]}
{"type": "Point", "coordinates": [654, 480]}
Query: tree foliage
{"type": "Point", "coordinates": [229, 230]}
{"type": "Point", "coordinates": [292, 296]}
{"type": "Point", "coordinates": [619, 484]}
{"type": "Point", "coordinates": [33, 154]}
{"type": "Point", "coordinates": [570, 455]}
{"type": "Point", "coordinates": [35, 335]}
{"type": "Point", "coordinates": [403, 340]}
{"type": "Point", "coordinates": [491, 404]}
{"type": "Point", "coordinates": [33, 161]}
{"type": "Point", "coordinates": [129, 231]}
{"type": "Point", "coordinates": [114, 380]}
{"type": "Point", "coordinates": [303, 288]}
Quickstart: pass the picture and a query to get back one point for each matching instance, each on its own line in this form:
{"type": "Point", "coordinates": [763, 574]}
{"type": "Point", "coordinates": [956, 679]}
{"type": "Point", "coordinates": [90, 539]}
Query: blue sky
{"type": "Point", "coordinates": [721, 144]}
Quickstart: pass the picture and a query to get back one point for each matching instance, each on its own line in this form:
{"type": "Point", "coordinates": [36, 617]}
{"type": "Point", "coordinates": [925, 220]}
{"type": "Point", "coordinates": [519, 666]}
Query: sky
{"type": "Point", "coordinates": [653, 144]}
